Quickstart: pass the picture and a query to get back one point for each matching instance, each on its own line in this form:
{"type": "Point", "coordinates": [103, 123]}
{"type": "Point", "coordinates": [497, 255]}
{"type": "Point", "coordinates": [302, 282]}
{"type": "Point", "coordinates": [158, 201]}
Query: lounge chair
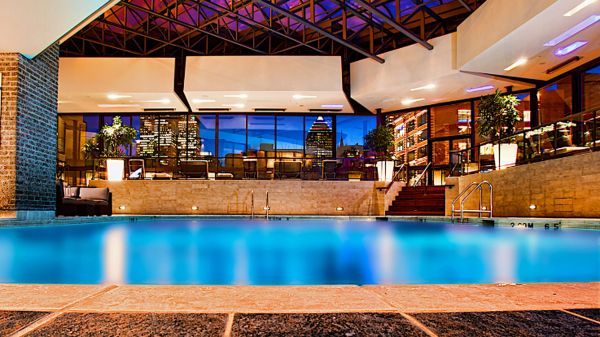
{"type": "Point", "coordinates": [137, 169]}
{"type": "Point", "coordinates": [194, 169]}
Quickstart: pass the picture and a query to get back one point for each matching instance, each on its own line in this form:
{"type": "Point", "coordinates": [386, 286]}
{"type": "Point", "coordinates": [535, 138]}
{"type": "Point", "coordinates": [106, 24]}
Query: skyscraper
{"type": "Point", "coordinates": [319, 140]}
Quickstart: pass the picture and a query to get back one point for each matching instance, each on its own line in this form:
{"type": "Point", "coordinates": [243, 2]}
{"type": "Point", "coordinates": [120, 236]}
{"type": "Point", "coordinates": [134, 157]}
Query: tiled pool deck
{"type": "Point", "coordinates": [561, 309]}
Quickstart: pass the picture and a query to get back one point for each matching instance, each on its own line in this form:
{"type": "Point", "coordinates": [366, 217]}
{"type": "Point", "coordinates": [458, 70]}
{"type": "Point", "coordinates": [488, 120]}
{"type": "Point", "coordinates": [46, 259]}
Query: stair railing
{"type": "Point", "coordinates": [466, 193]}
{"type": "Point", "coordinates": [422, 174]}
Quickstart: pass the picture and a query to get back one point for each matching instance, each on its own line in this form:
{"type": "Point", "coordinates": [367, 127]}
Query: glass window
{"type": "Point", "coordinates": [319, 137]}
{"type": "Point", "coordinates": [172, 136]}
{"type": "Point", "coordinates": [232, 135]}
{"type": "Point", "coordinates": [524, 108]}
{"type": "Point", "coordinates": [261, 133]}
{"type": "Point", "coordinates": [451, 120]}
{"type": "Point", "coordinates": [555, 100]}
{"type": "Point", "coordinates": [290, 135]}
{"type": "Point", "coordinates": [591, 88]}
{"type": "Point", "coordinates": [351, 132]}
{"type": "Point", "coordinates": [147, 146]}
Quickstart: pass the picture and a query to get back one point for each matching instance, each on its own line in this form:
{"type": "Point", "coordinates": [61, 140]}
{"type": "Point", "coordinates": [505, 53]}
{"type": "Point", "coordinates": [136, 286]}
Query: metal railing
{"type": "Point", "coordinates": [421, 174]}
{"type": "Point", "coordinates": [572, 135]}
{"type": "Point", "coordinates": [267, 208]}
{"type": "Point", "coordinates": [466, 193]}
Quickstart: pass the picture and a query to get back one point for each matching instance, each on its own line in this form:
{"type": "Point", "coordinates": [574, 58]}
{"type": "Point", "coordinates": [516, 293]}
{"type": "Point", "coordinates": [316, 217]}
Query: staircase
{"type": "Point", "coordinates": [419, 200]}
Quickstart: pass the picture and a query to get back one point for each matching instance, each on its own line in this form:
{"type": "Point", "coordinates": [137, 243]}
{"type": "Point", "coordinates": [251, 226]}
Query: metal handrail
{"type": "Point", "coordinates": [422, 174]}
{"type": "Point", "coordinates": [458, 197]}
{"type": "Point", "coordinates": [469, 190]}
{"type": "Point", "coordinates": [267, 208]}
{"type": "Point", "coordinates": [252, 204]}
{"type": "Point", "coordinates": [400, 169]}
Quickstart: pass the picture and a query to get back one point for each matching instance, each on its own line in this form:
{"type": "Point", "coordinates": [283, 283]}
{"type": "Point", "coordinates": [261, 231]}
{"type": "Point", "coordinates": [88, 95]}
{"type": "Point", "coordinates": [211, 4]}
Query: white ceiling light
{"type": "Point", "coordinates": [202, 100]}
{"type": "Point", "coordinates": [116, 96]}
{"type": "Point", "coordinates": [237, 96]}
{"type": "Point", "coordinates": [579, 7]}
{"type": "Point", "coordinates": [236, 105]}
{"type": "Point", "coordinates": [332, 106]}
{"type": "Point", "coordinates": [302, 96]}
{"type": "Point", "coordinates": [410, 101]}
{"type": "Point", "coordinates": [118, 105]}
{"type": "Point", "coordinates": [573, 30]}
{"type": "Point", "coordinates": [425, 87]}
{"type": "Point", "coordinates": [517, 63]}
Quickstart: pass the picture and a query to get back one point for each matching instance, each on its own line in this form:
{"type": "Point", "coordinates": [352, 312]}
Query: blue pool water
{"type": "Point", "coordinates": [194, 251]}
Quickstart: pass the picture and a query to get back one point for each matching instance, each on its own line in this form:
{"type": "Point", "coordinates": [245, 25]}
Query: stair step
{"type": "Point", "coordinates": [413, 213]}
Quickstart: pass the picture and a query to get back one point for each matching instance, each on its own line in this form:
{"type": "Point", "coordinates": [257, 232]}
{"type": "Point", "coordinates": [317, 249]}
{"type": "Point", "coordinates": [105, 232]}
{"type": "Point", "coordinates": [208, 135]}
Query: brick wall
{"type": "Point", "coordinates": [566, 187]}
{"type": "Point", "coordinates": [288, 197]}
{"type": "Point", "coordinates": [28, 132]}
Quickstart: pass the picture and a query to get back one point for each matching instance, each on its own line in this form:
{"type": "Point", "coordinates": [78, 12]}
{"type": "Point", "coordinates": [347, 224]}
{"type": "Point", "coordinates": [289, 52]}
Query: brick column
{"type": "Point", "coordinates": [28, 119]}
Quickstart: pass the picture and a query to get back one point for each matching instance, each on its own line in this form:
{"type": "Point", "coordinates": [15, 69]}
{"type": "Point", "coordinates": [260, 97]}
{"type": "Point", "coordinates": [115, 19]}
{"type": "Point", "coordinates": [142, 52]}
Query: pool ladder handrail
{"type": "Point", "coordinates": [474, 186]}
{"type": "Point", "coordinates": [252, 204]}
{"type": "Point", "coordinates": [267, 207]}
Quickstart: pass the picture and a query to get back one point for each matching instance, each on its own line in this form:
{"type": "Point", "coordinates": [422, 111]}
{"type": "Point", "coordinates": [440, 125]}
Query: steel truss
{"type": "Point", "coordinates": [353, 29]}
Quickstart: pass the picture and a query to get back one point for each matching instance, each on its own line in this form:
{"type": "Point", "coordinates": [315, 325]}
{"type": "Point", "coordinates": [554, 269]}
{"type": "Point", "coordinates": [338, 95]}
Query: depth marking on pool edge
{"type": "Point", "coordinates": [48, 318]}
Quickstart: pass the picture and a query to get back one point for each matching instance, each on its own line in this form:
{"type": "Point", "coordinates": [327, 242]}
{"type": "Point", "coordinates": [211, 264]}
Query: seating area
{"type": "Point", "coordinates": [82, 201]}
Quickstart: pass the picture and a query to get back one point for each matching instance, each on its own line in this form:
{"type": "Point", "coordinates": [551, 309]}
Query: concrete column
{"type": "Point", "coordinates": [28, 119]}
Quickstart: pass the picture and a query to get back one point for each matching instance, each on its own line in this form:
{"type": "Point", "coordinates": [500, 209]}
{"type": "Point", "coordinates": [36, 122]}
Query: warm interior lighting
{"type": "Point", "coordinates": [410, 101]}
{"type": "Point", "coordinates": [332, 106]}
{"type": "Point", "coordinates": [202, 100]}
{"type": "Point", "coordinates": [235, 105]}
{"type": "Point", "coordinates": [570, 48]}
{"type": "Point", "coordinates": [339, 209]}
{"type": "Point", "coordinates": [302, 96]}
{"type": "Point", "coordinates": [573, 30]}
{"type": "Point", "coordinates": [517, 63]}
{"type": "Point", "coordinates": [116, 96]}
{"type": "Point", "coordinates": [532, 206]}
{"type": "Point", "coordinates": [425, 87]}
{"type": "Point", "coordinates": [115, 169]}
{"type": "Point", "coordinates": [122, 207]}
{"type": "Point", "coordinates": [579, 7]}
{"type": "Point", "coordinates": [194, 208]}
{"type": "Point", "coordinates": [237, 96]}
{"type": "Point", "coordinates": [484, 208]}
{"type": "Point", "coordinates": [481, 88]}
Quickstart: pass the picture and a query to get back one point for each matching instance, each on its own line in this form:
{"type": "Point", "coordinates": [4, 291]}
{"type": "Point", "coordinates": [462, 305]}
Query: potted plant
{"type": "Point", "coordinates": [108, 143]}
{"type": "Point", "coordinates": [497, 119]}
{"type": "Point", "coordinates": [380, 140]}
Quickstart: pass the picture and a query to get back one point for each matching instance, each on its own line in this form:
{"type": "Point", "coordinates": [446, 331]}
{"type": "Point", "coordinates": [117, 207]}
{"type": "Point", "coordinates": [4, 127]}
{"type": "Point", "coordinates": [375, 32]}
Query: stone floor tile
{"type": "Point", "coordinates": [244, 299]}
{"type": "Point", "coordinates": [508, 323]}
{"type": "Point", "coordinates": [40, 297]}
{"type": "Point", "coordinates": [12, 321]}
{"type": "Point", "coordinates": [330, 324]}
{"type": "Point", "coordinates": [140, 324]}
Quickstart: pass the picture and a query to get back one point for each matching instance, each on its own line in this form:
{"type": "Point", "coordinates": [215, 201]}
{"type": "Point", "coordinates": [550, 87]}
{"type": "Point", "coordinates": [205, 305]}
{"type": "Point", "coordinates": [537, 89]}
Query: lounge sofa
{"type": "Point", "coordinates": [82, 201]}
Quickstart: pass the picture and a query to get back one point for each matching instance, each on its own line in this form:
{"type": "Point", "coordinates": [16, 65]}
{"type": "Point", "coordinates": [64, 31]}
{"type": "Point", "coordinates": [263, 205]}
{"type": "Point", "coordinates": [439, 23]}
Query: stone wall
{"type": "Point", "coordinates": [566, 187]}
{"type": "Point", "coordinates": [287, 197]}
{"type": "Point", "coordinates": [28, 134]}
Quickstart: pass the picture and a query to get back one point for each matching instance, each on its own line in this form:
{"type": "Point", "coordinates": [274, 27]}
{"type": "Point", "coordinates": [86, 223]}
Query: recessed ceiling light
{"type": "Point", "coordinates": [579, 7]}
{"type": "Point", "coordinates": [235, 105]}
{"type": "Point", "coordinates": [425, 87]}
{"type": "Point", "coordinates": [237, 96]}
{"type": "Point", "coordinates": [332, 106]}
{"type": "Point", "coordinates": [117, 96]}
{"type": "Point", "coordinates": [118, 105]}
{"type": "Point", "coordinates": [517, 63]}
{"type": "Point", "coordinates": [202, 100]}
{"type": "Point", "coordinates": [570, 48]}
{"type": "Point", "coordinates": [573, 30]}
{"type": "Point", "coordinates": [303, 96]}
{"type": "Point", "coordinates": [481, 88]}
{"type": "Point", "coordinates": [410, 101]}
